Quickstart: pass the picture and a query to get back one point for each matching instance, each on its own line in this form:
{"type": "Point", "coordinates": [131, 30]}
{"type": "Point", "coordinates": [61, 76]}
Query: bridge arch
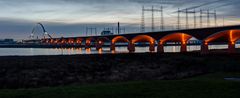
{"type": "Point", "coordinates": [89, 41]}
{"type": "Point", "coordinates": [79, 41]}
{"type": "Point", "coordinates": [142, 38]}
{"type": "Point", "coordinates": [63, 41]}
{"type": "Point", "coordinates": [70, 41]}
{"type": "Point", "coordinates": [118, 39]}
{"type": "Point", "coordinates": [175, 37]}
{"type": "Point", "coordinates": [229, 36]}
{"type": "Point", "coordinates": [45, 33]}
{"type": "Point", "coordinates": [56, 41]}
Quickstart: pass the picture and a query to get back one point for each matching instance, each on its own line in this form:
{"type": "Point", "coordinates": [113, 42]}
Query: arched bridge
{"type": "Point", "coordinates": [226, 34]}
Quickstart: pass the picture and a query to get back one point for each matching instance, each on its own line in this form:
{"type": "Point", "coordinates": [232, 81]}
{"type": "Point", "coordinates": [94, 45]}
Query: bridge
{"type": "Point", "coordinates": [225, 34]}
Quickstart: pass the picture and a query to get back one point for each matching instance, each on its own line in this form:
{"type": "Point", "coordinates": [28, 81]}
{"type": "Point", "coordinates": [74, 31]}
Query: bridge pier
{"type": "Point", "coordinates": [152, 47]}
{"type": "Point", "coordinates": [131, 47]}
{"type": "Point", "coordinates": [112, 47]}
{"type": "Point", "coordinates": [231, 47]}
{"type": "Point", "coordinates": [204, 48]}
{"type": "Point", "coordinates": [183, 47]}
{"type": "Point", "coordinates": [99, 45]}
{"type": "Point", "coordinates": [160, 48]}
{"type": "Point", "coordinates": [87, 45]}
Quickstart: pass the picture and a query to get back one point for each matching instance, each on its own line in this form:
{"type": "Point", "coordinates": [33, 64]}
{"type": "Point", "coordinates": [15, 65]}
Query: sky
{"type": "Point", "coordinates": [72, 17]}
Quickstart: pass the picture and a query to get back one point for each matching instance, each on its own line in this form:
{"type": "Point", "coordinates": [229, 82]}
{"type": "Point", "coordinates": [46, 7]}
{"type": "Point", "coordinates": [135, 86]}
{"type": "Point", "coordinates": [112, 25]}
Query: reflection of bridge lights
{"type": "Point", "coordinates": [113, 51]}
{"type": "Point", "coordinates": [79, 50]}
{"type": "Point", "coordinates": [88, 50]}
{"type": "Point", "coordinates": [100, 51]}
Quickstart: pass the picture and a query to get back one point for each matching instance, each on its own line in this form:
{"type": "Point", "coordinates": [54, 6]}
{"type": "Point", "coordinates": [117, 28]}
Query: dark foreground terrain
{"type": "Point", "coordinates": [45, 71]}
{"type": "Point", "coordinates": [144, 75]}
{"type": "Point", "coordinates": [203, 86]}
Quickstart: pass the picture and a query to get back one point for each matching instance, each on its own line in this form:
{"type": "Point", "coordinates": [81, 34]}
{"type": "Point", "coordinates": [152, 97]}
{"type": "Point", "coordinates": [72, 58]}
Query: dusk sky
{"type": "Point", "coordinates": [71, 17]}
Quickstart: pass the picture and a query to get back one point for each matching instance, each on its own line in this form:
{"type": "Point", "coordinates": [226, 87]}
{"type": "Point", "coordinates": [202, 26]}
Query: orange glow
{"type": "Point", "coordinates": [88, 50]}
{"type": "Point", "coordinates": [223, 34]}
{"type": "Point", "coordinates": [205, 43]}
{"type": "Point", "coordinates": [176, 37]}
{"type": "Point", "coordinates": [119, 39]}
{"type": "Point", "coordinates": [63, 41]}
{"type": "Point", "coordinates": [183, 42]}
{"type": "Point", "coordinates": [79, 42]}
{"type": "Point", "coordinates": [71, 41]}
{"type": "Point", "coordinates": [143, 38]}
{"type": "Point", "coordinates": [88, 42]}
{"type": "Point", "coordinates": [231, 35]}
{"type": "Point", "coordinates": [52, 40]}
{"type": "Point", "coordinates": [56, 41]}
{"type": "Point", "coordinates": [99, 42]}
{"type": "Point", "coordinates": [100, 51]}
{"type": "Point", "coordinates": [183, 39]}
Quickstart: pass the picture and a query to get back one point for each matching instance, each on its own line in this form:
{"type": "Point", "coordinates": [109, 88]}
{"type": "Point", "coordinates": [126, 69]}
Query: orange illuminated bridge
{"type": "Point", "coordinates": [206, 36]}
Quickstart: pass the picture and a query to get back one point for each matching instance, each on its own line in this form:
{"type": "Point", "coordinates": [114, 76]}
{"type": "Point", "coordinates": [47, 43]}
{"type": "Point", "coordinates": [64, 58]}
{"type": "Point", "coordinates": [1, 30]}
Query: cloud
{"type": "Point", "coordinates": [71, 17]}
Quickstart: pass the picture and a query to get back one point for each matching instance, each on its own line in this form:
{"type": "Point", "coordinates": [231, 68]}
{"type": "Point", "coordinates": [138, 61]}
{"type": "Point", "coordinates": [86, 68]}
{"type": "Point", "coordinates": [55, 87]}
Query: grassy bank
{"type": "Point", "coordinates": [205, 86]}
{"type": "Point", "coordinates": [49, 71]}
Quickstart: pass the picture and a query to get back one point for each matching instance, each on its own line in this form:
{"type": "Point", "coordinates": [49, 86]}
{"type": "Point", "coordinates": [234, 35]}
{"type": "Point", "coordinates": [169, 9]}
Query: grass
{"type": "Point", "coordinates": [206, 86]}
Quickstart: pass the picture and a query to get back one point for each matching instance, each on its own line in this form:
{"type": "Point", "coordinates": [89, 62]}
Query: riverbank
{"type": "Point", "coordinates": [48, 71]}
{"type": "Point", "coordinates": [203, 86]}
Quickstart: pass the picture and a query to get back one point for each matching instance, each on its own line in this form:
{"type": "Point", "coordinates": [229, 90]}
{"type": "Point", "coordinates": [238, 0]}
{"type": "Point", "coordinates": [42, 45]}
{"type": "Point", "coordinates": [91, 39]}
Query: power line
{"type": "Point", "coordinates": [152, 10]}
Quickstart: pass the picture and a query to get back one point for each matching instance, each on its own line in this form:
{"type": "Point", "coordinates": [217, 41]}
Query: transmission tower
{"type": "Point", "coordinates": [187, 12]}
{"type": "Point", "coordinates": [92, 30]}
{"type": "Point", "coordinates": [152, 10]}
{"type": "Point", "coordinates": [208, 14]}
{"type": "Point", "coordinates": [178, 21]}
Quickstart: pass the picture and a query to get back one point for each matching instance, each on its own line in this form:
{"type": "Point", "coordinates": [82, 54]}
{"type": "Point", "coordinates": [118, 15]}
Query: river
{"type": "Point", "coordinates": [71, 51]}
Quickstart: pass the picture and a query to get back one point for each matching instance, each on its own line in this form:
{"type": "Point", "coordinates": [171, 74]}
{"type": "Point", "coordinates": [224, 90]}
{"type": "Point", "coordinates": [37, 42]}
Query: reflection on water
{"type": "Point", "coordinates": [70, 51]}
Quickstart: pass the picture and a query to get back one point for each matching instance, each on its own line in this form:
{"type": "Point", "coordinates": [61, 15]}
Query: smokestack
{"type": "Point", "coordinates": [118, 27]}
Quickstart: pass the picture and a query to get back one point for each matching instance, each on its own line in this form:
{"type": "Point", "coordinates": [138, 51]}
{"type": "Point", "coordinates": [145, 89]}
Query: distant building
{"type": "Point", "coordinates": [106, 33]}
{"type": "Point", "coordinates": [7, 41]}
{"type": "Point", "coordinates": [32, 41]}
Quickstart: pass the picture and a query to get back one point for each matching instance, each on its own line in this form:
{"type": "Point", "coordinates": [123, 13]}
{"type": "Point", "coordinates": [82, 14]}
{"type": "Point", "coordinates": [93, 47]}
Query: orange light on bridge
{"type": "Point", "coordinates": [79, 42]}
{"type": "Point", "coordinates": [88, 42]}
{"type": "Point", "coordinates": [119, 39]}
{"type": "Point", "coordinates": [176, 37]}
{"type": "Point", "coordinates": [231, 35]}
{"type": "Point", "coordinates": [206, 43]}
{"type": "Point", "coordinates": [143, 38]}
{"type": "Point", "coordinates": [183, 39]}
{"type": "Point", "coordinates": [99, 42]}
